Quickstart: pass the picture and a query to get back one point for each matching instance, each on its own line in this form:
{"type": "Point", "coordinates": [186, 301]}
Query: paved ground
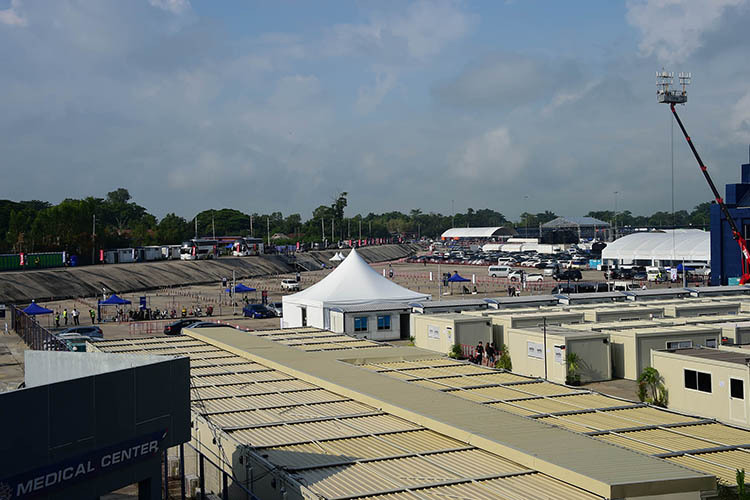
{"type": "Point", "coordinates": [620, 388]}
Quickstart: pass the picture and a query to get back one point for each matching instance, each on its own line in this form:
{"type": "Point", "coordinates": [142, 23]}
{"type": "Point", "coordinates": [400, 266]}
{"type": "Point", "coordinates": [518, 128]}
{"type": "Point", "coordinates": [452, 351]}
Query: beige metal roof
{"type": "Point", "coordinates": [607, 470]}
{"type": "Point", "coordinates": [333, 445]}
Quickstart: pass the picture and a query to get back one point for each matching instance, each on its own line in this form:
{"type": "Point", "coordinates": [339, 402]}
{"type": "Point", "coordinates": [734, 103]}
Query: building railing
{"type": "Point", "coordinates": [33, 334]}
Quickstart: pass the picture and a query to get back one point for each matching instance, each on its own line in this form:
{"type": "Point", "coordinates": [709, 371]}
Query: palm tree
{"type": "Point", "coordinates": [651, 387]}
{"type": "Point", "coordinates": [573, 361]}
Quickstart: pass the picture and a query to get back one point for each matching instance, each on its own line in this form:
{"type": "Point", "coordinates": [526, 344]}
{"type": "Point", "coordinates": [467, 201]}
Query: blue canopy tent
{"type": "Point", "coordinates": [33, 309]}
{"type": "Point", "coordinates": [457, 278]}
{"type": "Point", "coordinates": [112, 300]}
{"type": "Point", "coordinates": [240, 288]}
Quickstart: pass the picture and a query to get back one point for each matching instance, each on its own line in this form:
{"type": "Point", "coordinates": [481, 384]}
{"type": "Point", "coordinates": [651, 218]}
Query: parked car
{"type": "Point", "coordinates": [176, 327]}
{"type": "Point", "coordinates": [568, 274]}
{"type": "Point", "coordinates": [257, 311]}
{"type": "Point", "coordinates": [499, 271]}
{"type": "Point", "coordinates": [276, 308]}
{"type": "Point", "coordinates": [530, 277]}
{"type": "Point", "coordinates": [88, 331]}
{"type": "Point", "coordinates": [290, 284]}
{"type": "Point", "coordinates": [75, 341]}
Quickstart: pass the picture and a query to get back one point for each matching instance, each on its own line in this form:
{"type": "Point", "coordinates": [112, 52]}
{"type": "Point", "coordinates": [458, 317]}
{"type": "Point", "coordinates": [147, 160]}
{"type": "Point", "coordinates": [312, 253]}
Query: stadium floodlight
{"type": "Point", "coordinates": [665, 91]}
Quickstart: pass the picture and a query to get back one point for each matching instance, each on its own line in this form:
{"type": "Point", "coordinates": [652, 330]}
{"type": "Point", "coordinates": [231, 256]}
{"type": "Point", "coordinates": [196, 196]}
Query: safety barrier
{"type": "Point", "coordinates": [149, 327]}
{"type": "Point", "coordinates": [33, 334]}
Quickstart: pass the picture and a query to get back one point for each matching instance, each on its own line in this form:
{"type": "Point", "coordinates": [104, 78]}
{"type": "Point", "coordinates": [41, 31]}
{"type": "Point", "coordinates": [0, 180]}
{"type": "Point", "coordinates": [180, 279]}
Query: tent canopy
{"type": "Point", "coordinates": [114, 300]}
{"type": "Point", "coordinates": [240, 288]}
{"type": "Point", "coordinates": [678, 244]}
{"type": "Point", "coordinates": [353, 282]}
{"type": "Point", "coordinates": [457, 278]}
{"type": "Point", "coordinates": [33, 309]}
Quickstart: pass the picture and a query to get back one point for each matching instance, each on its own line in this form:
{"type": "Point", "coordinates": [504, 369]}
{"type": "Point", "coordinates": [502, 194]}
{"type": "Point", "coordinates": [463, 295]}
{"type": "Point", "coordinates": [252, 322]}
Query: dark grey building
{"type": "Point", "coordinates": [90, 423]}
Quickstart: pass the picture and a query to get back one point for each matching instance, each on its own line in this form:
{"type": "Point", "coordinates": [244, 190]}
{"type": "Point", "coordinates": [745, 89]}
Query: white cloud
{"type": "Point", "coordinates": [11, 15]}
{"type": "Point", "coordinates": [673, 29]}
{"type": "Point", "coordinates": [739, 120]}
{"type": "Point", "coordinates": [493, 155]}
{"type": "Point", "coordinates": [420, 32]}
{"type": "Point", "coordinates": [566, 97]}
{"type": "Point", "coordinates": [370, 97]}
{"type": "Point", "coordinates": [174, 6]}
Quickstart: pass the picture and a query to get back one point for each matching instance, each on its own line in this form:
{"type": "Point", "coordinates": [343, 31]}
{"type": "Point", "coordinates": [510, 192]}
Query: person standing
{"type": "Point", "coordinates": [65, 316]}
{"type": "Point", "coordinates": [57, 319]}
{"type": "Point", "coordinates": [75, 317]}
{"type": "Point", "coordinates": [479, 353]}
{"type": "Point", "coordinates": [92, 313]}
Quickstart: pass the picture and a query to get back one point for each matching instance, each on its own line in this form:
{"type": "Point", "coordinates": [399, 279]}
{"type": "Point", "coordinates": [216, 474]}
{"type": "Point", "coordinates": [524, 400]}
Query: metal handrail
{"type": "Point", "coordinates": [33, 334]}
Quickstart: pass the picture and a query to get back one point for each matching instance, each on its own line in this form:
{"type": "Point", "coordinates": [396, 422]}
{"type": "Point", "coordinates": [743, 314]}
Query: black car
{"type": "Point", "coordinates": [640, 276]}
{"type": "Point", "coordinates": [257, 311]}
{"type": "Point", "coordinates": [568, 275]}
{"type": "Point", "coordinates": [615, 274]}
{"type": "Point", "coordinates": [176, 327]}
{"type": "Point", "coordinates": [207, 324]}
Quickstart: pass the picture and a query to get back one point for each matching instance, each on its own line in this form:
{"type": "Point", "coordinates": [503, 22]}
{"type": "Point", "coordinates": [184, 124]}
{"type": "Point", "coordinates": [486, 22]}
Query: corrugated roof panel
{"type": "Point", "coordinates": [535, 487]}
{"type": "Point", "coordinates": [436, 385]}
{"type": "Point", "coordinates": [650, 416]}
{"type": "Point", "coordinates": [724, 474]}
{"type": "Point", "coordinates": [445, 371]}
{"type": "Point", "coordinates": [483, 394]}
{"type": "Point", "coordinates": [561, 422]}
{"type": "Point", "coordinates": [323, 453]}
{"type": "Point", "coordinates": [420, 441]}
{"type": "Point", "coordinates": [290, 413]}
{"type": "Point", "coordinates": [620, 440]}
{"type": "Point", "coordinates": [667, 440]}
{"type": "Point", "coordinates": [329, 429]}
{"type": "Point", "coordinates": [718, 433]}
{"type": "Point", "coordinates": [400, 375]}
{"type": "Point", "coordinates": [544, 389]}
{"type": "Point", "coordinates": [546, 405]}
{"type": "Point", "coordinates": [473, 463]}
{"type": "Point", "coordinates": [268, 400]}
{"type": "Point", "coordinates": [588, 401]}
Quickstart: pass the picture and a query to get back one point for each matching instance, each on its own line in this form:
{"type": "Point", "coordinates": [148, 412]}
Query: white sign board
{"type": "Point", "coordinates": [535, 350]}
{"type": "Point", "coordinates": [433, 332]}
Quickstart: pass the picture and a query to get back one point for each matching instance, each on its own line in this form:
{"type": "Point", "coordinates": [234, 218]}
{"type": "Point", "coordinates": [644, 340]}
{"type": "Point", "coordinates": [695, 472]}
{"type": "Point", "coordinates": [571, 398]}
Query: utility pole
{"type": "Point", "coordinates": [252, 233]}
{"type": "Point", "coordinates": [369, 232]}
{"type": "Point", "coordinates": [349, 228]}
{"type": "Point", "coordinates": [93, 242]}
{"type": "Point", "coordinates": [322, 230]}
{"type": "Point", "coordinates": [544, 326]}
{"type": "Point", "coordinates": [268, 228]}
{"type": "Point", "coordinates": [213, 227]}
{"type": "Point", "coordinates": [196, 227]}
{"type": "Point", "coordinates": [333, 232]}
{"type": "Point", "coordinates": [614, 218]}
{"type": "Point", "coordinates": [453, 215]}
{"type": "Point", "coordinates": [360, 229]}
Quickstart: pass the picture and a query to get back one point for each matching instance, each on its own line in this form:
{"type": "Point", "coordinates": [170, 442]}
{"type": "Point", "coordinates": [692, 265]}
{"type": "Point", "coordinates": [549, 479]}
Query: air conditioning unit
{"type": "Point", "coordinates": [174, 467]}
{"type": "Point", "coordinates": [191, 486]}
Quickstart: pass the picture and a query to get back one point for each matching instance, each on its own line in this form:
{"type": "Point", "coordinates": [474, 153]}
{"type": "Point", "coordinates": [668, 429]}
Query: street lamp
{"type": "Point", "coordinates": [614, 218]}
{"type": "Point", "coordinates": [526, 219]}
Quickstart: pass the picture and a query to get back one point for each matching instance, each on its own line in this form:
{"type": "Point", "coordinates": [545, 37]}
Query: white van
{"type": "Point", "coordinates": [656, 273]}
{"type": "Point", "coordinates": [499, 271]}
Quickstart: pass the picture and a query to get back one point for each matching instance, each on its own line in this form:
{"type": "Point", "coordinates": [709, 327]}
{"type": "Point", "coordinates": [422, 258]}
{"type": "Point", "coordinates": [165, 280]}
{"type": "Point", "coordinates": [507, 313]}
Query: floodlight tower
{"type": "Point", "coordinates": [667, 94]}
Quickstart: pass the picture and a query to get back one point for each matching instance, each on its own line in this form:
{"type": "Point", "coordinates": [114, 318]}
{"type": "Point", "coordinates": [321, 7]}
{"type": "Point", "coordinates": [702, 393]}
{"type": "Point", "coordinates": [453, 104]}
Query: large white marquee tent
{"type": "Point", "coordinates": [353, 282]}
{"type": "Point", "coordinates": [678, 245]}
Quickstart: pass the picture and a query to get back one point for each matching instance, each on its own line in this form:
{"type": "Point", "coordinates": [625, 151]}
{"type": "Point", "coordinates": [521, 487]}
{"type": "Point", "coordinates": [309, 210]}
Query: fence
{"type": "Point", "coordinates": [33, 334]}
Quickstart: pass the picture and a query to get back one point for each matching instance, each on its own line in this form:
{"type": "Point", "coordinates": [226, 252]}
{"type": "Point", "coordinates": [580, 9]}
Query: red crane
{"type": "Point", "coordinates": [672, 97]}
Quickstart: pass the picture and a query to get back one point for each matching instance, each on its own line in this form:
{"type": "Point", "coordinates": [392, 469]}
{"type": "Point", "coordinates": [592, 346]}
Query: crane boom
{"type": "Point", "coordinates": [720, 201]}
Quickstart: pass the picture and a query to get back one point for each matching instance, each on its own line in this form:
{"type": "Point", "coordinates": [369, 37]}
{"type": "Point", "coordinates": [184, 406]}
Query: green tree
{"type": "Point", "coordinates": [651, 387]}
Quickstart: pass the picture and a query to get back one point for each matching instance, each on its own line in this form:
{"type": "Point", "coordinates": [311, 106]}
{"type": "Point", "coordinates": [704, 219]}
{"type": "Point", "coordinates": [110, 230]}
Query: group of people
{"type": "Point", "coordinates": [485, 355]}
{"type": "Point", "coordinates": [74, 315]}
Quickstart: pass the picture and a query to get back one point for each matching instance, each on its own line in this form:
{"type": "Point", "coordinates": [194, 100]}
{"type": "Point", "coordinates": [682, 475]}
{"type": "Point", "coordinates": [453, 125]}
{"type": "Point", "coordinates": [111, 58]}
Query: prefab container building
{"type": "Point", "coordinates": [709, 382]}
{"type": "Point", "coordinates": [631, 349]}
{"type": "Point", "coordinates": [444, 306]}
{"type": "Point", "coordinates": [720, 291]}
{"type": "Point", "coordinates": [440, 332]}
{"type": "Point", "coordinates": [737, 332]}
{"type": "Point", "coordinates": [372, 321]}
{"type": "Point", "coordinates": [618, 325]}
{"type": "Point", "coordinates": [658, 294]}
{"type": "Point", "coordinates": [503, 320]}
{"type": "Point", "coordinates": [592, 298]}
{"type": "Point", "coordinates": [701, 308]}
{"type": "Point", "coordinates": [522, 302]}
{"type": "Point", "coordinates": [531, 349]}
{"type": "Point", "coordinates": [633, 313]}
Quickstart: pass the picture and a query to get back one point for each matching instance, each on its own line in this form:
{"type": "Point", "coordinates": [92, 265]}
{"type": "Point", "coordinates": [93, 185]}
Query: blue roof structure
{"type": "Point", "coordinates": [114, 300]}
{"type": "Point", "coordinates": [33, 309]}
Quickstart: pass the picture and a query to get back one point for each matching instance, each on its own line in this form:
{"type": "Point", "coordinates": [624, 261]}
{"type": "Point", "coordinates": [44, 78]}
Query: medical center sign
{"type": "Point", "coordinates": [45, 479]}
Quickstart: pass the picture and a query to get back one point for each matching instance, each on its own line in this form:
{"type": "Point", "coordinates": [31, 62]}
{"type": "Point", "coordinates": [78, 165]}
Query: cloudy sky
{"type": "Point", "coordinates": [277, 106]}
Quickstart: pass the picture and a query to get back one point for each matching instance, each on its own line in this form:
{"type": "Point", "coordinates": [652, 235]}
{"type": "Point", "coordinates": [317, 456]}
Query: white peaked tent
{"type": "Point", "coordinates": [338, 257]}
{"type": "Point", "coordinates": [352, 283]}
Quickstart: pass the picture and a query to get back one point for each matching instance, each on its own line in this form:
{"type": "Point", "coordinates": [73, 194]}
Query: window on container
{"type": "Point", "coordinates": [737, 388]}
{"type": "Point", "coordinates": [384, 322]}
{"type": "Point", "coordinates": [680, 344]}
{"type": "Point", "coordinates": [711, 343]}
{"type": "Point", "coordinates": [360, 324]}
{"type": "Point", "coordinates": [698, 381]}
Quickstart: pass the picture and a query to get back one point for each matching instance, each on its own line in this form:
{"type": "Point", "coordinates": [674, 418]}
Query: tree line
{"type": "Point", "coordinates": [78, 226]}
